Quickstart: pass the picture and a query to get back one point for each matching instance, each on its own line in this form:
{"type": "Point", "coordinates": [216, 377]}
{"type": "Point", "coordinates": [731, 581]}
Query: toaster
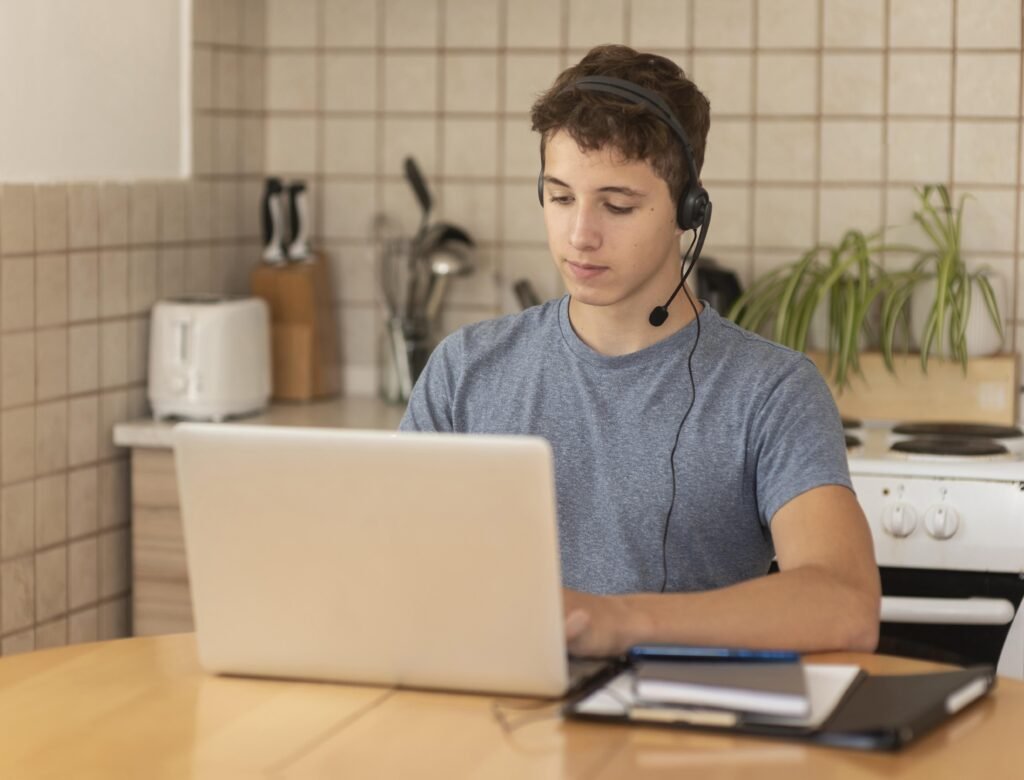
{"type": "Point", "coordinates": [209, 357]}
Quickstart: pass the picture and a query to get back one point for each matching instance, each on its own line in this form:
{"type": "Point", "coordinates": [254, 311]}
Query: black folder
{"type": "Point", "coordinates": [884, 712]}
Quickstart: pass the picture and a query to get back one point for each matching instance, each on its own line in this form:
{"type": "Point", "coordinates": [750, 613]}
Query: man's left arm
{"type": "Point", "coordinates": [826, 595]}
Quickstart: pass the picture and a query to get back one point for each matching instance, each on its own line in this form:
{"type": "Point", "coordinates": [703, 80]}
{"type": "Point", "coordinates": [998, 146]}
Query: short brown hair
{"type": "Point", "coordinates": [597, 119]}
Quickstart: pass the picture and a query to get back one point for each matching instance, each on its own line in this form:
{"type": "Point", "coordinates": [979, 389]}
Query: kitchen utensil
{"type": "Point", "coordinates": [298, 210]}
{"type": "Point", "coordinates": [717, 285]}
{"type": "Point", "coordinates": [451, 258]}
{"type": "Point", "coordinates": [272, 221]}
{"type": "Point", "coordinates": [525, 294]}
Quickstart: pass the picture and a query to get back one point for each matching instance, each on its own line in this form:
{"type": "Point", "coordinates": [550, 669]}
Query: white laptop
{"type": "Point", "coordinates": [412, 559]}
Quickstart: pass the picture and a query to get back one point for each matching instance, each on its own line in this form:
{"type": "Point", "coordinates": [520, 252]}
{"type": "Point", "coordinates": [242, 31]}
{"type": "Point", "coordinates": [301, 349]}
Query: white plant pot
{"type": "Point", "coordinates": [982, 336]}
{"type": "Point", "coordinates": [817, 333]}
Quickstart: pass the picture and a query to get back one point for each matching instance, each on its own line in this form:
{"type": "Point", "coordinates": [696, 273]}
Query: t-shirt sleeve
{"type": "Point", "coordinates": [799, 440]}
{"type": "Point", "coordinates": [430, 403]}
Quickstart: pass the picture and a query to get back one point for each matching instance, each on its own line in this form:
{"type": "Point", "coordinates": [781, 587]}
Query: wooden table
{"type": "Point", "coordinates": [142, 708]}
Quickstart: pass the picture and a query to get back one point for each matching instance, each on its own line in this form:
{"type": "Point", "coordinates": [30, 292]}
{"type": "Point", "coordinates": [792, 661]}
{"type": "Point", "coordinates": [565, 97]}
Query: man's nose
{"type": "Point", "coordinates": [585, 234]}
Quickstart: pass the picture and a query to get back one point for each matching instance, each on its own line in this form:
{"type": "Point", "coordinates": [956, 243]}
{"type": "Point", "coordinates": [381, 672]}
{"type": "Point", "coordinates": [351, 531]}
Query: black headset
{"type": "Point", "coordinates": [694, 205]}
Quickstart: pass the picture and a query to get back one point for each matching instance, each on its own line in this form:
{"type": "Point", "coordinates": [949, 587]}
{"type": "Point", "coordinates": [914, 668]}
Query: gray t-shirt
{"type": "Point", "coordinates": [763, 430]}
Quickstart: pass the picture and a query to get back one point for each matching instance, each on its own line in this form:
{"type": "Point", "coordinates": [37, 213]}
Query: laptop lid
{"type": "Point", "coordinates": [414, 559]}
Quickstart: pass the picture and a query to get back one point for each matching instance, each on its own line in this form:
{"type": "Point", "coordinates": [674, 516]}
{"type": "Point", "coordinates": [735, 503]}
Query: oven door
{"type": "Point", "coordinates": [954, 617]}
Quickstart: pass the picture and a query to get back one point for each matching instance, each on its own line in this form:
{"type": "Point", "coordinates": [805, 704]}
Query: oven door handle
{"type": "Point", "coordinates": [966, 612]}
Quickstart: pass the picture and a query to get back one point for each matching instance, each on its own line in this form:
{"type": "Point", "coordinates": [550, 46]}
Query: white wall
{"type": "Point", "coordinates": [94, 89]}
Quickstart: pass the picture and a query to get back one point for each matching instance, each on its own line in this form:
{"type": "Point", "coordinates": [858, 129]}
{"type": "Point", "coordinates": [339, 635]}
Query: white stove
{"type": "Point", "coordinates": [949, 538]}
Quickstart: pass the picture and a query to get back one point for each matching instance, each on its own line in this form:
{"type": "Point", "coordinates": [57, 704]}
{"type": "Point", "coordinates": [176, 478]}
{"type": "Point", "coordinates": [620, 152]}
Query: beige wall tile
{"type": "Point", "coordinates": [920, 83]}
{"type": "Point", "coordinates": [349, 209]}
{"type": "Point", "coordinates": [51, 217]}
{"type": "Point", "coordinates": [17, 369]}
{"type": "Point", "coordinates": [51, 583]}
{"type": "Point", "coordinates": [52, 634]}
{"type": "Point", "coordinates": [732, 218]}
{"type": "Point", "coordinates": [851, 150]}
{"type": "Point", "coordinates": [471, 82]}
{"type": "Point", "coordinates": [920, 23]}
{"type": "Point", "coordinates": [291, 81]}
{"type": "Point", "coordinates": [526, 77]}
{"type": "Point", "coordinates": [787, 24]}
{"type": "Point", "coordinates": [358, 325]}
{"type": "Point", "coordinates": [990, 218]}
{"type": "Point", "coordinates": [473, 207]}
{"type": "Point", "coordinates": [350, 145]}
{"type": "Point", "coordinates": [353, 276]}
{"type": "Point", "coordinates": [522, 216]}
{"type": "Point", "coordinates": [786, 150]}
{"type": "Point", "coordinates": [343, 91]}
{"type": "Point", "coordinates": [291, 23]}
{"type": "Point", "coordinates": [252, 145]}
{"type": "Point", "coordinates": [471, 23]}
{"type": "Point", "coordinates": [138, 349]}
{"type": "Point", "coordinates": [83, 430]}
{"type": "Point", "coordinates": [730, 151]}
{"type": "Point", "coordinates": [595, 21]}
{"type": "Point", "coordinates": [17, 520]}
{"type": "Point", "coordinates": [83, 358]}
{"type": "Point", "coordinates": [51, 363]}
{"type": "Point", "coordinates": [143, 207]}
{"type": "Point", "coordinates": [229, 79]}
{"type": "Point", "coordinates": [848, 208]}
{"type": "Point", "coordinates": [113, 494]}
{"type": "Point", "coordinates": [199, 210]}
{"type": "Point", "coordinates": [726, 80]}
{"type": "Point", "coordinates": [522, 148]}
{"type": "Point", "coordinates": [784, 217]}
{"type": "Point", "coordinates": [987, 84]}
{"type": "Point", "coordinates": [17, 290]}
{"type": "Point", "coordinates": [204, 22]}
{"type": "Point", "coordinates": [83, 286]}
{"type": "Point", "coordinates": [994, 24]}
{"type": "Point", "coordinates": [254, 23]}
{"type": "Point", "coordinates": [113, 283]}
{"type": "Point", "coordinates": [411, 23]}
{"type": "Point", "coordinates": [113, 204]}
{"type": "Point", "coordinates": [787, 84]}
{"type": "Point", "coordinates": [199, 275]}
{"type": "Point", "coordinates": [83, 626]}
{"type": "Point", "coordinates": [852, 84]}
{"type": "Point", "coordinates": [659, 23]}
{"type": "Point", "coordinates": [114, 562]}
{"type": "Point", "coordinates": [254, 78]}
{"type": "Point", "coordinates": [203, 144]}
{"type": "Point", "coordinates": [83, 215]}
{"type": "Point", "coordinates": [985, 152]}
{"type": "Point", "coordinates": [51, 290]}
{"type": "Point", "coordinates": [113, 409]}
{"type": "Point", "coordinates": [225, 209]}
{"type": "Point", "coordinates": [51, 437]}
{"type": "Point", "coordinates": [403, 138]}
{"type": "Point", "coordinates": [17, 594]}
{"type": "Point", "coordinates": [532, 24]}
{"type": "Point", "coordinates": [202, 77]}
{"type": "Point", "coordinates": [229, 21]}
{"type": "Point", "coordinates": [21, 642]}
{"type": "Point", "coordinates": [51, 509]}
{"type": "Point", "coordinates": [350, 22]}
{"type": "Point", "coordinates": [471, 147]}
{"type": "Point", "coordinates": [17, 218]}
{"type": "Point", "coordinates": [854, 23]}
{"type": "Point", "coordinates": [533, 264]}
{"type": "Point", "coordinates": [114, 619]}
{"type": "Point", "coordinates": [291, 145]}
{"type": "Point", "coordinates": [83, 573]}
{"type": "Point", "coordinates": [172, 211]}
{"type": "Point", "coordinates": [723, 23]}
{"type": "Point", "coordinates": [171, 271]}
{"type": "Point", "coordinates": [83, 501]}
{"type": "Point", "coordinates": [410, 82]}
{"type": "Point", "coordinates": [142, 279]}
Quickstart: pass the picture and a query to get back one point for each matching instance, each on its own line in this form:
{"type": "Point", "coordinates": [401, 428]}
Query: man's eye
{"type": "Point", "coordinates": [619, 209]}
{"type": "Point", "coordinates": [563, 199]}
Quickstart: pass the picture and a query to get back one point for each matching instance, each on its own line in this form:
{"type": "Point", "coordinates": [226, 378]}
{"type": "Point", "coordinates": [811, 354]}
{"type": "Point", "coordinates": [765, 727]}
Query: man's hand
{"type": "Point", "coordinates": [596, 626]}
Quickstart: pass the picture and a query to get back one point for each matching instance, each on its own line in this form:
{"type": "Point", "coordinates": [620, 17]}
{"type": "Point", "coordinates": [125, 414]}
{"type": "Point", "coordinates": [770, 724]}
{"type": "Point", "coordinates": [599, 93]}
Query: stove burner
{"type": "Point", "coordinates": [852, 441]}
{"type": "Point", "coordinates": [850, 422]}
{"type": "Point", "coordinates": [950, 445]}
{"type": "Point", "coordinates": [973, 430]}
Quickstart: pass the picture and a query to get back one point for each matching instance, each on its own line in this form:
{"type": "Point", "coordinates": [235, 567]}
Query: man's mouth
{"type": "Point", "coordinates": [585, 270]}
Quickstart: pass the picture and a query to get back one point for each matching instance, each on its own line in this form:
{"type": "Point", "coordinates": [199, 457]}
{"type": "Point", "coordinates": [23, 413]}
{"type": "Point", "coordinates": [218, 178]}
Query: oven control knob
{"type": "Point", "coordinates": [899, 519]}
{"type": "Point", "coordinates": [941, 521]}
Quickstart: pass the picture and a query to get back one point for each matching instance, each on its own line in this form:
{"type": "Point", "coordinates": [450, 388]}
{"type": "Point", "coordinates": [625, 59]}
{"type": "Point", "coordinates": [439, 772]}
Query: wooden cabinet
{"type": "Point", "coordinates": [162, 603]}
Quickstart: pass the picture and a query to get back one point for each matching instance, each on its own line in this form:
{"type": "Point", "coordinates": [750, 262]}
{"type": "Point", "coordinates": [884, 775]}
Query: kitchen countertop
{"type": "Point", "coordinates": [354, 412]}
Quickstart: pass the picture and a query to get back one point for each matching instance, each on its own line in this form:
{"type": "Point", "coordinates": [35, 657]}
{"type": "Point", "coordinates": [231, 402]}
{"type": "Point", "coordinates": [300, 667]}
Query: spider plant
{"type": "Point", "coordinates": [942, 262]}
{"type": "Point", "coordinates": [845, 276]}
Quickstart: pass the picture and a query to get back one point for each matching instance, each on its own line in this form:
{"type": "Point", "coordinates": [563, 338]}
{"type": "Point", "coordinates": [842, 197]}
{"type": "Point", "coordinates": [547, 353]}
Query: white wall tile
{"type": "Point", "coordinates": [291, 145]}
{"type": "Point", "coordinates": [920, 84]}
{"type": "Point", "coordinates": [411, 23]}
{"type": "Point", "coordinates": [291, 23]}
{"type": "Point", "coordinates": [920, 23]}
{"type": "Point", "coordinates": [854, 23]}
{"type": "Point", "coordinates": [526, 77]}
{"type": "Point", "coordinates": [986, 152]}
{"type": "Point", "coordinates": [471, 23]}
{"type": "Point", "coordinates": [532, 24]}
{"type": "Point", "coordinates": [471, 82]}
{"type": "Point", "coordinates": [726, 80]}
{"type": "Point", "coordinates": [851, 150]}
{"type": "Point", "coordinates": [593, 22]}
{"type": "Point", "coordinates": [416, 138]}
{"type": "Point", "coordinates": [350, 82]}
{"type": "Point", "coordinates": [784, 217]}
{"type": "Point", "coordinates": [410, 82]}
{"type": "Point", "coordinates": [852, 84]}
{"type": "Point", "coordinates": [731, 224]}
{"type": "Point", "coordinates": [291, 81]}
{"type": "Point", "coordinates": [659, 23]}
{"type": "Point", "coordinates": [351, 23]}
{"type": "Point", "coordinates": [723, 23]}
{"type": "Point", "coordinates": [350, 145]}
{"type": "Point", "coordinates": [787, 84]}
{"type": "Point", "coordinates": [992, 24]}
{"type": "Point", "coordinates": [787, 24]}
{"type": "Point", "coordinates": [471, 148]}
{"type": "Point", "coordinates": [988, 84]}
{"type": "Point", "coordinates": [786, 150]}
{"type": "Point", "coordinates": [990, 220]}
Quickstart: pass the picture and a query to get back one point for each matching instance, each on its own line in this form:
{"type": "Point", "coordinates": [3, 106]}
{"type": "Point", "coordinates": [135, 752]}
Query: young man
{"type": "Point", "coordinates": [686, 455]}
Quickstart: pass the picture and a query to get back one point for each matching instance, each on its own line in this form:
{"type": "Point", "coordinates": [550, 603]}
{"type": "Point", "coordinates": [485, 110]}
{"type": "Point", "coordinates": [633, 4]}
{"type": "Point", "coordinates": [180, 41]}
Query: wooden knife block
{"type": "Point", "coordinates": [304, 334]}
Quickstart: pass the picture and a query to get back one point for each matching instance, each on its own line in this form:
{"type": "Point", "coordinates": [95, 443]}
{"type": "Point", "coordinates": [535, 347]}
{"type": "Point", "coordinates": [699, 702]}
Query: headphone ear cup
{"type": "Point", "coordinates": [540, 187]}
{"type": "Point", "coordinates": [693, 204]}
